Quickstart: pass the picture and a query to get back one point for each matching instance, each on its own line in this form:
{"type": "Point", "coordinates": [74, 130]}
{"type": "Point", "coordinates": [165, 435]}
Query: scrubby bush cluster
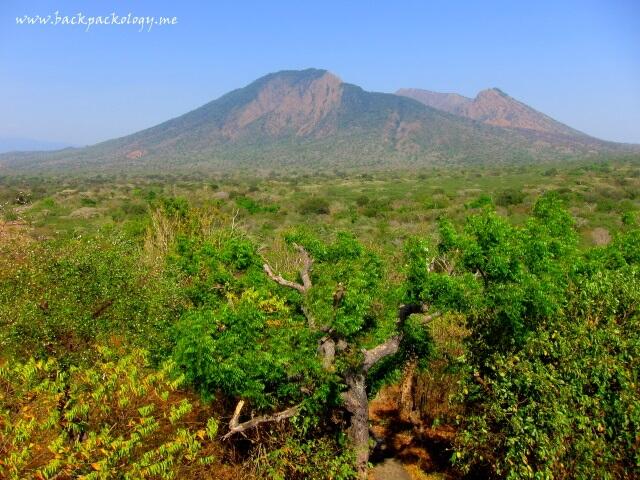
{"type": "Point", "coordinates": [191, 347]}
{"type": "Point", "coordinates": [551, 389]}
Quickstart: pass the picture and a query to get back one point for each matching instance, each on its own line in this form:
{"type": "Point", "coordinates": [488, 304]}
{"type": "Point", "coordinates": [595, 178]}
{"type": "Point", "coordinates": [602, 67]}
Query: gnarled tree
{"type": "Point", "coordinates": [296, 345]}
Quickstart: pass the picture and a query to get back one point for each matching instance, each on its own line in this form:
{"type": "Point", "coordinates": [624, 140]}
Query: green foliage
{"type": "Point", "coordinates": [366, 307]}
{"type": "Point", "coordinates": [566, 405]}
{"type": "Point", "coordinates": [248, 348]}
{"type": "Point", "coordinates": [307, 460]}
{"type": "Point", "coordinates": [9, 214]}
{"type": "Point", "coordinates": [375, 208]}
{"type": "Point", "coordinates": [250, 338]}
{"type": "Point", "coordinates": [88, 202]}
{"type": "Point", "coordinates": [362, 200]}
{"type": "Point", "coordinates": [132, 208]}
{"type": "Point", "coordinates": [241, 339]}
{"type": "Point", "coordinates": [551, 389]}
{"type": "Point", "coordinates": [480, 202]}
{"type": "Point", "coordinates": [254, 207]}
{"type": "Point", "coordinates": [437, 202]}
{"type": "Point", "coordinates": [630, 219]}
{"type": "Point", "coordinates": [115, 419]}
{"type": "Point", "coordinates": [48, 202]}
{"type": "Point", "coordinates": [547, 379]}
{"type": "Point", "coordinates": [175, 206]}
{"type": "Point", "coordinates": [66, 295]}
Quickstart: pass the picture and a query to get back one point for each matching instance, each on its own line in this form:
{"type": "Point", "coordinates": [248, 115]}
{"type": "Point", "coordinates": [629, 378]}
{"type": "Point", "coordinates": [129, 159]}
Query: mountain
{"type": "Point", "coordinates": [493, 107]}
{"type": "Point", "coordinates": [310, 118]}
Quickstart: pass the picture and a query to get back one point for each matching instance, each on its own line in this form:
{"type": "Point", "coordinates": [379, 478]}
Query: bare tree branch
{"type": "Point", "coordinates": [392, 345]}
{"type": "Point", "coordinates": [282, 281]}
{"type": "Point", "coordinates": [305, 273]}
{"type": "Point", "coordinates": [374, 355]}
{"type": "Point", "coordinates": [236, 427]}
{"type": "Point", "coordinates": [311, 321]}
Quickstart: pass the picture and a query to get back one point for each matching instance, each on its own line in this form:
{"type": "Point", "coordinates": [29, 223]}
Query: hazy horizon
{"type": "Point", "coordinates": [577, 62]}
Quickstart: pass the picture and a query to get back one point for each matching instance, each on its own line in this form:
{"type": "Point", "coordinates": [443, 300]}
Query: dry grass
{"type": "Point", "coordinates": [207, 223]}
{"type": "Point", "coordinates": [435, 386]}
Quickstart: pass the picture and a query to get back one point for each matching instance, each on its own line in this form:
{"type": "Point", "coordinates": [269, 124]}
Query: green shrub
{"type": "Point", "coordinates": [630, 218]}
{"type": "Point", "coordinates": [553, 349]}
{"type": "Point", "coordinates": [314, 206]}
{"type": "Point", "coordinates": [362, 200]}
{"type": "Point", "coordinates": [175, 207]}
{"type": "Point", "coordinates": [436, 202]}
{"type": "Point", "coordinates": [253, 207]}
{"type": "Point", "coordinates": [48, 203]}
{"type": "Point", "coordinates": [376, 208]}
{"type": "Point", "coordinates": [316, 459]}
{"type": "Point", "coordinates": [65, 295]}
{"type": "Point", "coordinates": [509, 197]}
{"type": "Point", "coordinates": [10, 215]}
{"type": "Point", "coordinates": [88, 202]}
{"type": "Point", "coordinates": [483, 200]}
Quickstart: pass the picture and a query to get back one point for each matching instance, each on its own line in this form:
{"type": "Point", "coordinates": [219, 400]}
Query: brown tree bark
{"type": "Point", "coordinates": [236, 427]}
{"type": "Point", "coordinates": [406, 412]}
{"type": "Point", "coordinates": [357, 404]}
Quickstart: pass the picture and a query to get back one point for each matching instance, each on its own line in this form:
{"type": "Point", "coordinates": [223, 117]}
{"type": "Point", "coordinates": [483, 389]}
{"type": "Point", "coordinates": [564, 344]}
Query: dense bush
{"type": "Point", "coordinates": [376, 208]}
{"type": "Point", "coordinates": [362, 200]}
{"type": "Point", "coordinates": [539, 337]}
{"type": "Point", "coordinates": [553, 346]}
{"type": "Point", "coordinates": [256, 337]}
{"type": "Point", "coordinates": [66, 295]}
{"type": "Point", "coordinates": [510, 196]}
{"type": "Point", "coordinates": [436, 202]}
{"type": "Point", "coordinates": [316, 459]}
{"type": "Point", "coordinates": [9, 214]}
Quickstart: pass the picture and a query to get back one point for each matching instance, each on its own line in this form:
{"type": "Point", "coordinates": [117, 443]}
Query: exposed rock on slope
{"type": "Point", "coordinates": [310, 118]}
{"type": "Point", "coordinates": [493, 107]}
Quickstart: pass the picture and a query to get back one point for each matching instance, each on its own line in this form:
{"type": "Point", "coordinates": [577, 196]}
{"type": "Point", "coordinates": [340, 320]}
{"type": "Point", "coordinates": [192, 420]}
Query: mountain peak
{"type": "Point", "coordinates": [295, 75]}
{"type": "Point", "coordinates": [289, 101]}
{"type": "Point", "coordinates": [492, 93]}
{"type": "Point", "coordinates": [493, 107]}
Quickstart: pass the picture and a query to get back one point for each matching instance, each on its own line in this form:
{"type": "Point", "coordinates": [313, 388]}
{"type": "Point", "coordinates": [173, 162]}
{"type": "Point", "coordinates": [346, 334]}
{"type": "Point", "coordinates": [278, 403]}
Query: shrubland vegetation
{"type": "Point", "coordinates": [473, 322]}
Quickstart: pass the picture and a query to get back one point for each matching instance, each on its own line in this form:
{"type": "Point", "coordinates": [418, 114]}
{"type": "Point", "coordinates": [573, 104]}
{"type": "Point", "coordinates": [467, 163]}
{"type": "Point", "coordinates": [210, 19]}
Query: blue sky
{"type": "Point", "coordinates": [578, 61]}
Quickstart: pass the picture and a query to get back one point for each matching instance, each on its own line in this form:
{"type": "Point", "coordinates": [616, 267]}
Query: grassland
{"type": "Point", "coordinates": [381, 207]}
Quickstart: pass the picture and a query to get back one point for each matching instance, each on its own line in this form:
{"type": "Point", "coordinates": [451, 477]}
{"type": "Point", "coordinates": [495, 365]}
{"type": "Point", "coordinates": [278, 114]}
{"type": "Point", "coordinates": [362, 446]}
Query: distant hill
{"type": "Point", "coordinates": [494, 107]}
{"type": "Point", "coordinates": [13, 144]}
{"type": "Point", "coordinates": [310, 118]}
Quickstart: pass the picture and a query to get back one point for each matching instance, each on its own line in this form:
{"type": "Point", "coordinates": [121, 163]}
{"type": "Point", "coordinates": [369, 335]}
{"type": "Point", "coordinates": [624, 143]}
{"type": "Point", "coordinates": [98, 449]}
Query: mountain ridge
{"type": "Point", "coordinates": [312, 118]}
{"type": "Point", "coordinates": [494, 107]}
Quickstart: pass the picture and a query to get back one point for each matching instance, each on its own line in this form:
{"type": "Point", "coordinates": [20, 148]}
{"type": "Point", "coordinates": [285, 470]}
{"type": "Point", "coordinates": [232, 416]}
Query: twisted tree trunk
{"type": "Point", "coordinates": [355, 399]}
{"type": "Point", "coordinates": [357, 404]}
